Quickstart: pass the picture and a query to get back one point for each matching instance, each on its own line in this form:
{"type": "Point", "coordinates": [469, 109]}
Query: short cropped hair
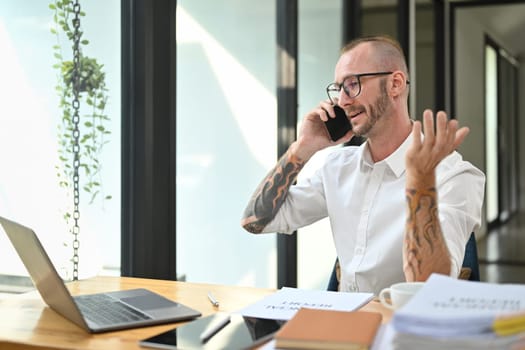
{"type": "Point", "coordinates": [390, 55]}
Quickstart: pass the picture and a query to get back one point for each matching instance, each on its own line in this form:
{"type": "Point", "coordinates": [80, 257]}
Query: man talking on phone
{"type": "Point", "coordinates": [401, 205]}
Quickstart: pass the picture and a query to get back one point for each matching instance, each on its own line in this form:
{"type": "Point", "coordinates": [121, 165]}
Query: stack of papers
{"type": "Point", "coordinates": [461, 314]}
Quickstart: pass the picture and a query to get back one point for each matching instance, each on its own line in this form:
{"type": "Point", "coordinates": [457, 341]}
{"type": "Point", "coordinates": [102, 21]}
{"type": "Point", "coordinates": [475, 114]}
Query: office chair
{"type": "Point", "coordinates": [469, 270]}
{"type": "Point", "coordinates": [470, 266]}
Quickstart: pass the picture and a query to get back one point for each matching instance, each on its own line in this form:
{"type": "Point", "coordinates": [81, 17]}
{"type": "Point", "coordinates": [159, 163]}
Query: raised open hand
{"type": "Point", "coordinates": [425, 153]}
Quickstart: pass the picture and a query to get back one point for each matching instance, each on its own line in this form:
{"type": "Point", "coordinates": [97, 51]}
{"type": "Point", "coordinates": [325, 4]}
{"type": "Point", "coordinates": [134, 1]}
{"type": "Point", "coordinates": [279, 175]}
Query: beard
{"type": "Point", "coordinates": [375, 111]}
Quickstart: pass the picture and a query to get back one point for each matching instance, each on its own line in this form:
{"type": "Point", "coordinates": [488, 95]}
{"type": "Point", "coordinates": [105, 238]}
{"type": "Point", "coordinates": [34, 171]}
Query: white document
{"type": "Point", "coordinates": [446, 306]}
{"type": "Point", "coordinates": [284, 303]}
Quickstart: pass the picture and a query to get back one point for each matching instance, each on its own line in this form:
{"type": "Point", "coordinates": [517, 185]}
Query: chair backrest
{"type": "Point", "coordinates": [471, 260]}
{"type": "Point", "coordinates": [333, 282]}
{"type": "Point", "coordinates": [469, 271]}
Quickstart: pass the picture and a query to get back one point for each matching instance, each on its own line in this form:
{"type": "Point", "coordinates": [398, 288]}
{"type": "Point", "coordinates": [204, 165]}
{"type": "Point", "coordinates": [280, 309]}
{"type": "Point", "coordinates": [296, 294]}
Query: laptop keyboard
{"type": "Point", "coordinates": [105, 310]}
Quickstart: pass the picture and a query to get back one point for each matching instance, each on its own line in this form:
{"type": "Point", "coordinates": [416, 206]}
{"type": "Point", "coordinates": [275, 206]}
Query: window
{"type": "Point", "coordinates": [226, 138]}
{"type": "Point", "coordinates": [320, 40]}
{"type": "Point", "coordinates": [29, 115]}
{"type": "Point", "coordinates": [491, 132]}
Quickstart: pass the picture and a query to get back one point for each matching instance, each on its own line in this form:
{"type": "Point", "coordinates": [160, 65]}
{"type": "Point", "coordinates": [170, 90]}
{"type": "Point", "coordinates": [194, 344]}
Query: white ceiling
{"type": "Point", "coordinates": [507, 21]}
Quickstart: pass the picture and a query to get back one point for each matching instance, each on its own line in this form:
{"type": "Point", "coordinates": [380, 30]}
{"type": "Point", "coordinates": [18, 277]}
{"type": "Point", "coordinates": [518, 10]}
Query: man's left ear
{"type": "Point", "coordinates": [398, 83]}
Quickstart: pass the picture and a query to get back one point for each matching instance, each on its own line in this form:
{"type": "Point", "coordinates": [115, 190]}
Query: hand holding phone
{"type": "Point", "coordinates": [337, 127]}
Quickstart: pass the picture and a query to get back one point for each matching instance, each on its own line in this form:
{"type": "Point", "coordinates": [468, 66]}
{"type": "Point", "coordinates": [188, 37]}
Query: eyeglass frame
{"type": "Point", "coordinates": [358, 76]}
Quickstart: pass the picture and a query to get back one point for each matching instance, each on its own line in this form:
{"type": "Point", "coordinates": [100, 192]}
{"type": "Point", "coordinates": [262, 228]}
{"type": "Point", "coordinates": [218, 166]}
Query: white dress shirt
{"type": "Point", "coordinates": [367, 209]}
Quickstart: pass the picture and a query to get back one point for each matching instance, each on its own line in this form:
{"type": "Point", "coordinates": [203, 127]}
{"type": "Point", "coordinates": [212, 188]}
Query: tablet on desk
{"type": "Point", "coordinates": [239, 333]}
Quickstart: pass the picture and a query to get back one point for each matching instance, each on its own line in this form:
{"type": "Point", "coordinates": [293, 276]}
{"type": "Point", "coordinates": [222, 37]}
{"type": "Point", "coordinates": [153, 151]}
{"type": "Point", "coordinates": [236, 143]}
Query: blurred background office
{"type": "Point", "coordinates": [205, 95]}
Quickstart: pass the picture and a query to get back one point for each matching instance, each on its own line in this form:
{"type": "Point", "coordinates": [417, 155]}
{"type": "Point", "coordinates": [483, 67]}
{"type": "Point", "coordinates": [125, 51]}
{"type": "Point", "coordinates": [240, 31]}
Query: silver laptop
{"type": "Point", "coordinates": [95, 313]}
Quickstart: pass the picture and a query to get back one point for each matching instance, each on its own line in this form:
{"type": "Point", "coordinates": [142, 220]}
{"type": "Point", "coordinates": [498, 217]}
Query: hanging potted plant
{"type": "Point", "coordinates": [82, 131]}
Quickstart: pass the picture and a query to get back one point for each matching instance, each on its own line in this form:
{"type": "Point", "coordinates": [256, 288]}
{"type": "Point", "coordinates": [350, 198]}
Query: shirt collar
{"type": "Point", "coordinates": [395, 161]}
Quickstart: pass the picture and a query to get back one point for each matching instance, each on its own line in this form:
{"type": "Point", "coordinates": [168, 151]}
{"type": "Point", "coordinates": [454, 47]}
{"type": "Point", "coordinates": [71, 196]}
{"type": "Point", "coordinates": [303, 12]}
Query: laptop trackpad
{"type": "Point", "coordinates": [149, 302]}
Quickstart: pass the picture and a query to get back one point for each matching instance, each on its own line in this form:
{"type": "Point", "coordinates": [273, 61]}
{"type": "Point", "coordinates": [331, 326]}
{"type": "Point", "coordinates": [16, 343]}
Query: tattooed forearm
{"type": "Point", "coordinates": [271, 193]}
{"type": "Point", "coordinates": [424, 249]}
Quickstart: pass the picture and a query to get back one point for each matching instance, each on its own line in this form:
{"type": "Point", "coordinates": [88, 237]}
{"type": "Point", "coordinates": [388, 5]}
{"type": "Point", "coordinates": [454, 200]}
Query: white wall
{"type": "Point", "coordinates": [469, 85]}
{"type": "Point", "coordinates": [469, 88]}
{"type": "Point", "coordinates": [521, 140]}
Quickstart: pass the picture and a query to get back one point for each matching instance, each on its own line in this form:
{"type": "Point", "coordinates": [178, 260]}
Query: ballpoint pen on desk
{"type": "Point", "coordinates": [214, 328]}
{"type": "Point", "coordinates": [212, 300]}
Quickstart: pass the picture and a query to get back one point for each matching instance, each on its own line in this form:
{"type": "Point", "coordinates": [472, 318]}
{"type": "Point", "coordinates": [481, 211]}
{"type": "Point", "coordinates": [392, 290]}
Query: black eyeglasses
{"type": "Point", "coordinates": [351, 86]}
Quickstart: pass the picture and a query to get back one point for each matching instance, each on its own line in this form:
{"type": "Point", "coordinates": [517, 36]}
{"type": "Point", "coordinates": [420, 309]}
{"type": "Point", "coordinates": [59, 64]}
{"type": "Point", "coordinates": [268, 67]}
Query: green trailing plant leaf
{"type": "Point", "coordinates": [93, 96]}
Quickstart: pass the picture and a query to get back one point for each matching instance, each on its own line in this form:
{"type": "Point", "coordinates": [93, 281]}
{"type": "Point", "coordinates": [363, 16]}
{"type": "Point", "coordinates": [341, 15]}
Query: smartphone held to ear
{"type": "Point", "coordinates": [337, 127]}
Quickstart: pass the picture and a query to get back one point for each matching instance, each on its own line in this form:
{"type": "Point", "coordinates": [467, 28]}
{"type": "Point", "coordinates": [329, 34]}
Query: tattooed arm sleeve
{"type": "Point", "coordinates": [424, 249]}
{"type": "Point", "coordinates": [271, 193]}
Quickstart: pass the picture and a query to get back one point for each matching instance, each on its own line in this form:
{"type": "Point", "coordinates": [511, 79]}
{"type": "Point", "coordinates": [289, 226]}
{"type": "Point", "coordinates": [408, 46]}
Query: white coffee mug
{"type": "Point", "coordinates": [398, 294]}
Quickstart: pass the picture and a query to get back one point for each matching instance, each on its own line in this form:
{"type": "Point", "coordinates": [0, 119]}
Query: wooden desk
{"type": "Point", "coordinates": [27, 323]}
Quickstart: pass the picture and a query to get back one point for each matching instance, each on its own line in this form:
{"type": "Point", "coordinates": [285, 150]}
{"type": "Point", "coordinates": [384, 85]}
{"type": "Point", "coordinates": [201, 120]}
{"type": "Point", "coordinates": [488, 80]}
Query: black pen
{"type": "Point", "coordinates": [212, 300]}
{"type": "Point", "coordinates": [214, 328]}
